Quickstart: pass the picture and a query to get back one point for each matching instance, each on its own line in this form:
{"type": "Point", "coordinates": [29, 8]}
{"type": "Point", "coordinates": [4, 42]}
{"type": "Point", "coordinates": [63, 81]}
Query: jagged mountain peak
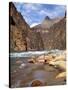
{"type": "Point", "coordinates": [47, 18]}
{"type": "Point", "coordinates": [65, 14]}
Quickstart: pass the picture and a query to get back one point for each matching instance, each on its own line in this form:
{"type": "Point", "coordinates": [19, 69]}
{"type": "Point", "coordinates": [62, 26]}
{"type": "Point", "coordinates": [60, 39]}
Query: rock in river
{"type": "Point", "coordinates": [37, 83]}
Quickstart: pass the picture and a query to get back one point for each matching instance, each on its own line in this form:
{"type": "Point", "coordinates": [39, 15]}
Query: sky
{"type": "Point", "coordinates": [34, 13]}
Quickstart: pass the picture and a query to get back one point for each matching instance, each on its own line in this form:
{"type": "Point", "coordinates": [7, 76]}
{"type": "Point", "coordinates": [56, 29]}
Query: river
{"type": "Point", "coordinates": [22, 73]}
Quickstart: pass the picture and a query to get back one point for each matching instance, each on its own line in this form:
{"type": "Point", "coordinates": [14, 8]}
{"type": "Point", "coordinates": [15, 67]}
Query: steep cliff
{"type": "Point", "coordinates": [58, 34]}
{"type": "Point", "coordinates": [34, 41]}
{"type": "Point", "coordinates": [18, 30]}
{"type": "Point", "coordinates": [55, 36]}
{"type": "Point", "coordinates": [21, 37]}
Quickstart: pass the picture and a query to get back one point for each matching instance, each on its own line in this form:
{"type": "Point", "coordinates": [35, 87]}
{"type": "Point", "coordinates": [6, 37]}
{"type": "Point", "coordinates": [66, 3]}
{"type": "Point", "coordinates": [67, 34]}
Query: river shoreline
{"type": "Point", "coordinates": [38, 69]}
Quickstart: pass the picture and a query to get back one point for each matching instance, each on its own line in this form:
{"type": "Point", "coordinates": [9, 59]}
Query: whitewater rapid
{"type": "Point", "coordinates": [34, 53]}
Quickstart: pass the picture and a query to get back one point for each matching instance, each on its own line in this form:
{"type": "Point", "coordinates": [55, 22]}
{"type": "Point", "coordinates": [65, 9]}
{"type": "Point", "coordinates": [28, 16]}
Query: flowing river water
{"type": "Point", "coordinates": [22, 73]}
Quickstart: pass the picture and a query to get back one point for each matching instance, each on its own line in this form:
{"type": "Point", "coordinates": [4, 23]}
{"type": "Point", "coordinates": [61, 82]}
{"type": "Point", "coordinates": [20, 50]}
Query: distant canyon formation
{"type": "Point", "coordinates": [50, 34]}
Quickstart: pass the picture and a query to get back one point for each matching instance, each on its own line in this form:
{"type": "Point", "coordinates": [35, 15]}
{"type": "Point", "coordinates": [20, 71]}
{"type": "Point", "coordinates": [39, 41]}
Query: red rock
{"type": "Point", "coordinates": [37, 83]}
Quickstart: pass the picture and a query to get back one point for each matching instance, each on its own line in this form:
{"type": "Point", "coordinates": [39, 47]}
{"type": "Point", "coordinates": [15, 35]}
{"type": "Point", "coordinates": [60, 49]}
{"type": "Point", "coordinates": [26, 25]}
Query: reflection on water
{"type": "Point", "coordinates": [23, 73]}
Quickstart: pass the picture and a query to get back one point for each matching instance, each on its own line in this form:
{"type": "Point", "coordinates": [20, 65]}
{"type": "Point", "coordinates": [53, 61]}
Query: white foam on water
{"type": "Point", "coordinates": [32, 53]}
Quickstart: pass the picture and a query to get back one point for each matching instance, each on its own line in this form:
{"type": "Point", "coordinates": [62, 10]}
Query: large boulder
{"type": "Point", "coordinates": [61, 65]}
{"type": "Point", "coordinates": [37, 83]}
{"type": "Point", "coordinates": [61, 75]}
{"type": "Point", "coordinates": [41, 59]}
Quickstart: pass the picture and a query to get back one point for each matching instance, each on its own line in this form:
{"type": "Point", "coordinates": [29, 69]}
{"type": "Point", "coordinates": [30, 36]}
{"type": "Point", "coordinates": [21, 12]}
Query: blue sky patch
{"type": "Point", "coordinates": [34, 13]}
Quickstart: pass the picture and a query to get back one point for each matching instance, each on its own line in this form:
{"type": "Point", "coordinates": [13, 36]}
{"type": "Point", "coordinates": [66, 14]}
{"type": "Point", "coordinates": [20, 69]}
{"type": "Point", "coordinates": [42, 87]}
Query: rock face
{"type": "Point", "coordinates": [21, 37]}
{"type": "Point", "coordinates": [18, 30]}
{"type": "Point", "coordinates": [58, 35]}
{"type": "Point", "coordinates": [47, 23]}
{"type": "Point", "coordinates": [50, 34]}
{"type": "Point", "coordinates": [55, 36]}
{"type": "Point", "coordinates": [34, 41]}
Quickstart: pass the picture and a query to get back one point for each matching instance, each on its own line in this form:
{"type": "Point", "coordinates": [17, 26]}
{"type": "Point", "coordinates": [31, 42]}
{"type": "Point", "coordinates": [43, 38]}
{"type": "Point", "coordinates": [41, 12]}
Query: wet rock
{"type": "Point", "coordinates": [61, 75]}
{"type": "Point", "coordinates": [18, 61]}
{"type": "Point", "coordinates": [60, 57]}
{"type": "Point", "coordinates": [49, 58]}
{"type": "Point", "coordinates": [37, 83]}
{"type": "Point", "coordinates": [22, 65]}
{"type": "Point", "coordinates": [40, 59]}
{"type": "Point", "coordinates": [61, 78]}
{"type": "Point", "coordinates": [59, 64]}
{"type": "Point", "coordinates": [31, 61]}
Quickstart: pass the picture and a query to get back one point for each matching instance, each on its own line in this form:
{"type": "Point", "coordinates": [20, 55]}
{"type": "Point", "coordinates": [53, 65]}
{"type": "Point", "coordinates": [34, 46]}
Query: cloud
{"type": "Point", "coordinates": [35, 13]}
{"type": "Point", "coordinates": [34, 24]}
{"type": "Point", "coordinates": [30, 6]}
{"type": "Point", "coordinates": [57, 11]}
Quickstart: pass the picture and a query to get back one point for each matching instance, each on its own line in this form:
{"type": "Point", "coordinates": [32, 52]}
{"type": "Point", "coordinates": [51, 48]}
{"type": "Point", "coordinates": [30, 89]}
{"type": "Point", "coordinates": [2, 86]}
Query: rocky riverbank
{"type": "Point", "coordinates": [58, 61]}
{"type": "Point", "coordinates": [39, 70]}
